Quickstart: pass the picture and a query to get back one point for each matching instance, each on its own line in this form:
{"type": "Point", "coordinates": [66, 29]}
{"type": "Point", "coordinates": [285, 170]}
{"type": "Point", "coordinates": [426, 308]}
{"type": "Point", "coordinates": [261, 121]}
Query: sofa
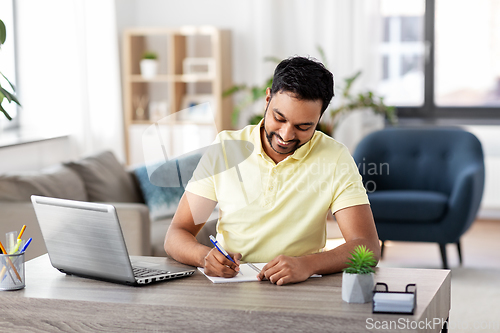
{"type": "Point", "coordinates": [144, 210]}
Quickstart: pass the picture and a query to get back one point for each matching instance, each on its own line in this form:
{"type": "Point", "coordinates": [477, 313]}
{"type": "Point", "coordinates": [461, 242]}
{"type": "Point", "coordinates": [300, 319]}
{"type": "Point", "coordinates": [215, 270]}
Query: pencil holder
{"type": "Point", "coordinates": [12, 271]}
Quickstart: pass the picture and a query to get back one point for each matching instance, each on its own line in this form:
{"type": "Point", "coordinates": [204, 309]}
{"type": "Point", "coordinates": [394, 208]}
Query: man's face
{"type": "Point", "coordinates": [288, 123]}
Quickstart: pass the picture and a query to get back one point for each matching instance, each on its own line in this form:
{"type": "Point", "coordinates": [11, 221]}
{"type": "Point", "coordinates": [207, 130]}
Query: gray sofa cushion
{"type": "Point", "coordinates": [105, 178]}
{"type": "Point", "coordinates": [56, 181]}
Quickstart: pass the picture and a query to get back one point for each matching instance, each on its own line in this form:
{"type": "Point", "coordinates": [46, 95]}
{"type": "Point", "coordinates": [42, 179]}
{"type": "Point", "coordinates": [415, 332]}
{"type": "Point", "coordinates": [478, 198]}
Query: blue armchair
{"type": "Point", "coordinates": [424, 184]}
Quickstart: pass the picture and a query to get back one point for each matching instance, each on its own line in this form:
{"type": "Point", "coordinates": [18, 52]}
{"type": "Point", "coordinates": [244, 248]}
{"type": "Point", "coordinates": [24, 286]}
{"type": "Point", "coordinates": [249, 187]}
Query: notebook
{"type": "Point", "coordinates": [248, 274]}
{"type": "Point", "coordinates": [86, 239]}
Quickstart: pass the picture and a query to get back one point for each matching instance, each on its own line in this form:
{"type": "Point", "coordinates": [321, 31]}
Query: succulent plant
{"type": "Point", "coordinates": [361, 261]}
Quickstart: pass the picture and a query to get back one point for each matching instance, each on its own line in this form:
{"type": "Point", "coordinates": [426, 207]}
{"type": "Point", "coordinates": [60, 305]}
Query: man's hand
{"type": "Point", "coordinates": [216, 264]}
{"type": "Point", "coordinates": [282, 270]}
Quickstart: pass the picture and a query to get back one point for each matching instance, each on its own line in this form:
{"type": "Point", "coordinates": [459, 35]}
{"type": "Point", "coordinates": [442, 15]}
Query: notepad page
{"type": "Point", "coordinates": [249, 274]}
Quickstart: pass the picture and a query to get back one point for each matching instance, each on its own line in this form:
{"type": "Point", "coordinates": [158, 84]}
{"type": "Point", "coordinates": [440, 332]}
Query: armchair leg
{"type": "Point", "coordinates": [459, 252]}
{"type": "Point", "coordinates": [382, 247]}
{"type": "Point", "coordinates": [442, 247]}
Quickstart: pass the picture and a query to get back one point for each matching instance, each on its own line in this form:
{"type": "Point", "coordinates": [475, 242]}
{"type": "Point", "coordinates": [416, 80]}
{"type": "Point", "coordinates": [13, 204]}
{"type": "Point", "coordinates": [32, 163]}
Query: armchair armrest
{"type": "Point", "coordinates": [465, 199]}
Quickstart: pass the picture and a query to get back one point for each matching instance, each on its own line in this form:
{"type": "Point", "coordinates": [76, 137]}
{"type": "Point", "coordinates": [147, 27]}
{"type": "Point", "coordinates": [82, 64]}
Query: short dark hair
{"type": "Point", "coordinates": [306, 78]}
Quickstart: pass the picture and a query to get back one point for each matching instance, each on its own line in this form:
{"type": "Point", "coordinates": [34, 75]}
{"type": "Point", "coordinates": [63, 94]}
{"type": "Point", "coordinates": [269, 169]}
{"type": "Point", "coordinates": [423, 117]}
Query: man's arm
{"type": "Point", "coordinates": [358, 228]}
{"type": "Point", "coordinates": [181, 244]}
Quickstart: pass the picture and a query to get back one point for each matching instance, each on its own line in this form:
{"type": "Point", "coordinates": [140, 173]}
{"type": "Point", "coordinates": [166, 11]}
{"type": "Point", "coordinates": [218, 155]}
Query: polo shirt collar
{"type": "Point", "coordinates": [299, 154]}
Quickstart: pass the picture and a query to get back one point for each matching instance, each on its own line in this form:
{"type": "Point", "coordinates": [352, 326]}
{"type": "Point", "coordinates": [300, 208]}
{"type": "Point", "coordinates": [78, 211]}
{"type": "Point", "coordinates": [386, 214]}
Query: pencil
{"type": "Point", "coordinates": [10, 262]}
{"type": "Point", "coordinates": [21, 232]}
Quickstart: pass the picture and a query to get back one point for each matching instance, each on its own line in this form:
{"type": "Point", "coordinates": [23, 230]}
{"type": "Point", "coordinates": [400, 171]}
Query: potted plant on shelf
{"type": "Point", "coordinates": [149, 65]}
{"type": "Point", "coordinates": [357, 279]}
{"type": "Point", "coordinates": [5, 94]}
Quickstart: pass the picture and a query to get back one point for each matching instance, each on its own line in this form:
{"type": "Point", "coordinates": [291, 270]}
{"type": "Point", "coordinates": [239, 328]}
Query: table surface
{"type": "Point", "coordinates": [52, 300]}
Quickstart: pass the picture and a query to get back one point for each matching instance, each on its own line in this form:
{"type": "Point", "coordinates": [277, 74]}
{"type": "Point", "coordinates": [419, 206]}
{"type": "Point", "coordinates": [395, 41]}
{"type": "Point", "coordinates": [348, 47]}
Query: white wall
{"type": "Point", "coordinates": [490, 140]}
{"type": "Point", "coordinates": [35, 156]}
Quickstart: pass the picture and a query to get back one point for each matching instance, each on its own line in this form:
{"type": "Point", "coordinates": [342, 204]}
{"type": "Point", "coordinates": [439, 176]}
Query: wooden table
{"type": "Point", "coordinates": [54, 302]}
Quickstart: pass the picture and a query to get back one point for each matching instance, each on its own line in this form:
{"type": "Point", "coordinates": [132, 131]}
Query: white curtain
{"type": "Point", "coordinates": [68, 68]}
{"type": "Point", "coordinates": [102, 125]}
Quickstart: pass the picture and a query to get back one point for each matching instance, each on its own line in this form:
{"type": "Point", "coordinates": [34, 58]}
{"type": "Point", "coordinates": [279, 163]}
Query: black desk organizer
{"type": "Point", "coordinates": [412, 286]}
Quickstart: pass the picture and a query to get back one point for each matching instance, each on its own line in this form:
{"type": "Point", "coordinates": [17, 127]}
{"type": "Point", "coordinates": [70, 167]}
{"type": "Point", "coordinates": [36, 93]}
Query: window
{"type": "Point", "coordinates": [402, 52]}
{"type": "Point", "coordinates": [467, 56]}
{"type": "Point", "coordinates": [8, 64]}
{"type": "Point", "coordinates": [440, 58]}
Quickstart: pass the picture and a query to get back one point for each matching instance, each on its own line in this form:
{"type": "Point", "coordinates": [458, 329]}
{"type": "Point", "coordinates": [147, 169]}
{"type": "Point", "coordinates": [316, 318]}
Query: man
{"type": "Point", "coordinates": [274, 204]}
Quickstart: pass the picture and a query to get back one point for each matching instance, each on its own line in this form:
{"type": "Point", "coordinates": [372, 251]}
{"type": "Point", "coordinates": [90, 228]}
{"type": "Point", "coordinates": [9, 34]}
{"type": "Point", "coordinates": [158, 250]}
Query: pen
{"type": "Point", "coordinates": [252, 266]}
{"type": "Point", "coordinates": [21, 232]}
{"type": "Point", "coordinates": [221, 250]}
{"type": "Point", "coordinates": [10, 262]}
{"type": "Point", "coordinates": [26, 245]}
{"type": "Point", "coordinates": [19, 241]}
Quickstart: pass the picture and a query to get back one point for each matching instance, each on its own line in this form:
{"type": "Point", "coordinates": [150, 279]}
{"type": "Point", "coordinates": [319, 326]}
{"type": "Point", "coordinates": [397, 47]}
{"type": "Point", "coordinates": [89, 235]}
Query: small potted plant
{"type": "Point", "coordinates": [149, 65]}
{"type": "Point", "coordinates": [357, 279]}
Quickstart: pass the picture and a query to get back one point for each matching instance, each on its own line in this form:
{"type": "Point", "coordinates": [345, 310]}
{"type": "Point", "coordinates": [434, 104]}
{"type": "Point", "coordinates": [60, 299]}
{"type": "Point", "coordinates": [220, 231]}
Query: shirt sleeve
{"type": "Point", "coordinates": [348, 189]}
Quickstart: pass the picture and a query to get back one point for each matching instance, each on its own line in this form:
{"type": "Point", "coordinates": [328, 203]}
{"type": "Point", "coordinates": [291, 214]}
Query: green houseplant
{"type": "Point", "coordinates": [149, 65]}
{"type": "Point", "coordinates": [350, 102]}
{"type": "Point", "coordinates": [150, 55]}
{"type": "Point", "coordinates": [4, 93]}
{"type": "Point", "coordinates": [357, 278]}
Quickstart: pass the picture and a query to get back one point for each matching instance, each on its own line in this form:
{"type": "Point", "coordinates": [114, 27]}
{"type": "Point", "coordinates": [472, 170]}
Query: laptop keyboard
{"type": "Point", "coordinates": [145, 272]}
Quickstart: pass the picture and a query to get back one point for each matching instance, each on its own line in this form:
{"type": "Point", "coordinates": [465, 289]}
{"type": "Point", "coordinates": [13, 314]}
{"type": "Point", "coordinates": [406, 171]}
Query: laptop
{"type": "Point", "coordinates": [85, 239]}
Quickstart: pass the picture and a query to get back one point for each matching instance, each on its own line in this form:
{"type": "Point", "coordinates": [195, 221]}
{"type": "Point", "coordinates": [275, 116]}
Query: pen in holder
{"type": "Point", "coordinates": [12, 271]}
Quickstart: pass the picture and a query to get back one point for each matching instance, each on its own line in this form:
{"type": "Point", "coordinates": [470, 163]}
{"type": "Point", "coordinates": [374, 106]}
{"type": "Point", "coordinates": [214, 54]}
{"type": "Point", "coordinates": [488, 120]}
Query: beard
{"type": "Point", "coordinates": [295, 144]}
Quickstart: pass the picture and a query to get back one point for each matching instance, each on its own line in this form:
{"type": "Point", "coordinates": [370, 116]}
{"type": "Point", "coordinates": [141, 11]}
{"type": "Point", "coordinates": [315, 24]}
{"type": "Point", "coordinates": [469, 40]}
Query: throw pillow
{"type": "Point", "coordinates": [56, 181]}
{"type": "Point", "coordinates": [162, 190]}
{"type": "Point", "coordinates": [106, 180]}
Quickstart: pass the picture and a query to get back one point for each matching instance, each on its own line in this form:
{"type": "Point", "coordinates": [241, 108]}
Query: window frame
{"type": "Point", "coordinates": [429, 110]}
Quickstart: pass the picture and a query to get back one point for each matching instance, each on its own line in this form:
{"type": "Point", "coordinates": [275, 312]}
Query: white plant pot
{"type": "Point", "coordinates": [357, 288]}
{"type": "Point", "coordinates": [149, 68]}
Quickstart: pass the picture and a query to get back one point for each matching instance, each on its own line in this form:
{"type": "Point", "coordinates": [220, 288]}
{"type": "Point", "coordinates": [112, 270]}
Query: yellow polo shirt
{"type": "Point", "coordinates": [267, 209]}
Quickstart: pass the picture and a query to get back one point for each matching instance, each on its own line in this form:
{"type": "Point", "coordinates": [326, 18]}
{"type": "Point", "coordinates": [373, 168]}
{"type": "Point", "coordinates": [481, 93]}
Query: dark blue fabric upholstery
{"type": "Point", "coordinates": [402, 206]}
{"type": "Point", "coordinates": [440, 170]}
